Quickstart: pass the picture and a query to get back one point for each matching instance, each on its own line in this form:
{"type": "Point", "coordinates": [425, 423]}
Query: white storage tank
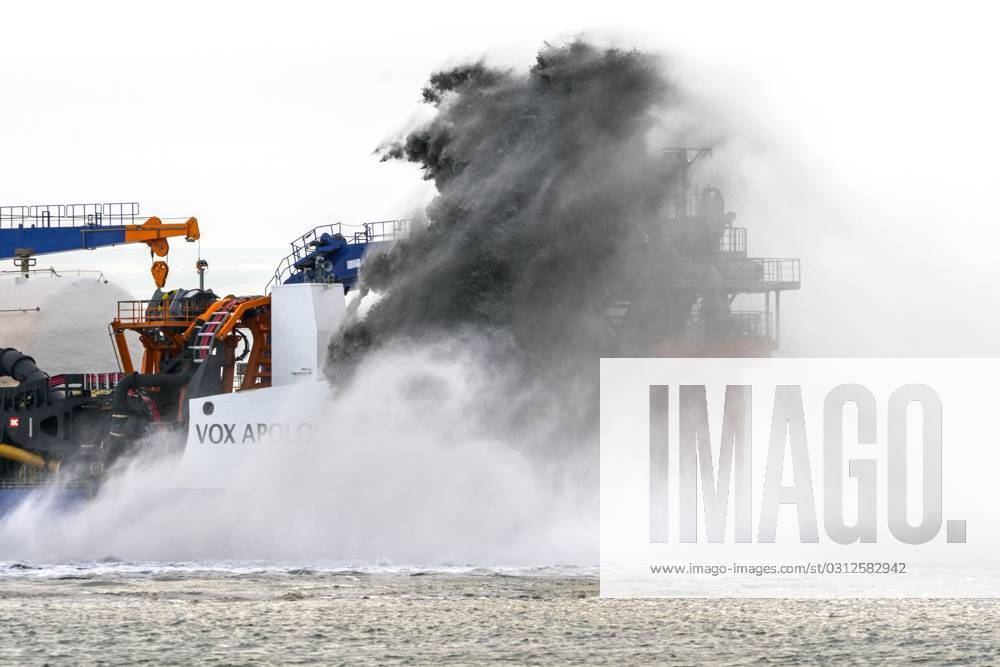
{"type": "Point", "coordinates": [61, 320]}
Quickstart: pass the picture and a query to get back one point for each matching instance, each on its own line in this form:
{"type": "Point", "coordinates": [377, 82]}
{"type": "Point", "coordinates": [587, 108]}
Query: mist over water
{"type": "Point", "coordinates": [399, 478]}
{"type": "Point", "coordinates": [461, 426]}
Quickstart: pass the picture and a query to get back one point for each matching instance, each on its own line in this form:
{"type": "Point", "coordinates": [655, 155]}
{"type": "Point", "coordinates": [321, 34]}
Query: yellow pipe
{"type": "Point", "coordinates": [27, 458]}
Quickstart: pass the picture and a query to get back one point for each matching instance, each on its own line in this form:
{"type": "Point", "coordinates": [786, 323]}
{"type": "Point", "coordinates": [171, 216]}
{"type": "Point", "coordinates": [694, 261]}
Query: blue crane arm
{"type": "Point", "coordinates": [42, 230]}
{"type": "Point", "coordinates": [17, 241]}
{"type": "Point", "coordinates": [26, 231]}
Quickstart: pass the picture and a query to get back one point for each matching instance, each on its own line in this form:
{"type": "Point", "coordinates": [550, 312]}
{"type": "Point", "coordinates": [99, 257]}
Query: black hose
{"type": "Point", "coordinates": [19, 366]}
{"type": "Point", "coordinates": [119, 399]}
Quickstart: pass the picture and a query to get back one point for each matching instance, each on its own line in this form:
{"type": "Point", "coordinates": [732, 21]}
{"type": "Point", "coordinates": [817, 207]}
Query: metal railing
{"type": "Point", "coordinates": [43, 482]}
{"type": "Point", "coordinates": [733, 240]}
{"type": "Point", "coordinates": [761, 272]}
{"type": "Point", "coordinates": [369, 232]}
{"type": "Point", "coordinates": [750, 323]}
{"type": "Point", "coordinates": [19, 484]}
{"type": "Point", "coordinates": [738, 323]}
{"type": "Point", "coordinates": [779, 269]}
{"type": "Point", "coordinates": [58, 274]}
{"type": "Point", "coordinates": [70, 215]}
{"type": "Point", "coordinates": [159, 313]}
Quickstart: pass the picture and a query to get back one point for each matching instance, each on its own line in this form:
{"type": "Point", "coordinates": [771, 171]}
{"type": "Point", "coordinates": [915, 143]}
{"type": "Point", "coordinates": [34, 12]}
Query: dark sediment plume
{"type": "Point", "coordinates": [552, 186]}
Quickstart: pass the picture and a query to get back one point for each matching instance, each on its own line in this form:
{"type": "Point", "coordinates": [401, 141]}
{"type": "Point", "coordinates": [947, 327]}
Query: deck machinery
{"type": "Point", "coordinates": [197, 344]}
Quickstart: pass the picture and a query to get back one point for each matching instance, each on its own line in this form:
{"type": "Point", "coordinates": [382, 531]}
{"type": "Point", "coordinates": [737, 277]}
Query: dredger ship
{"type": "Point", "coordinates": [215, 371]}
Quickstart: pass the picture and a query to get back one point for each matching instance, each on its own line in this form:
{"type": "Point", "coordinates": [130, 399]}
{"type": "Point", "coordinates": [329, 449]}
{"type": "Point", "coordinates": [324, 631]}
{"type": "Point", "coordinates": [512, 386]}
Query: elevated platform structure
{"type": "Point", "coordinates": [684, 306]}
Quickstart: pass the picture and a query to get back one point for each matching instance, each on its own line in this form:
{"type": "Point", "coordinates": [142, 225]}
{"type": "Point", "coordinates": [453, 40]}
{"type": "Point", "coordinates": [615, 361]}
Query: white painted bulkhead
{"type": "Point", "coordinates": [303, 318]}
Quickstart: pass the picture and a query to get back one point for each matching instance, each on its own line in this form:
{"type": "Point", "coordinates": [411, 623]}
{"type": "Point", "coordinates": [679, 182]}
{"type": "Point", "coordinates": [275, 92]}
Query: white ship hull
{"type": "Point", "coordinates": [225, 430]}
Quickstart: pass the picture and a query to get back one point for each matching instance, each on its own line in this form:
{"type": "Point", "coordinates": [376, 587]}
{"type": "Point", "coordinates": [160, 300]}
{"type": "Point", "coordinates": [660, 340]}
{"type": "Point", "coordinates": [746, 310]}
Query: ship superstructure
{"type": "Point", "coordinates": [698, 269]}
{"type": "Point", "coordinates": [215, 370]}
{"type": "Point", "coordinates": [194, 344]}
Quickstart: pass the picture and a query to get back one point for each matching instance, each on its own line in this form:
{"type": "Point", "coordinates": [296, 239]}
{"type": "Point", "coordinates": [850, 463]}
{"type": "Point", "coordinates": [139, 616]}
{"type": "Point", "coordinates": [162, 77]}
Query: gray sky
{"type": "Point", "coordinates": [865, 135]}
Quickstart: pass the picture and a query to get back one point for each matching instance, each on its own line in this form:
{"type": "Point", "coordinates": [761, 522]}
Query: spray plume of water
{"type": "Point", "coordinates": [404, 481]}
{"type": "Point", "coordinates": [552, 194]}
{"type": "Point", "coordinates": [464, 429]}
{"type": "Point", "coordinates": [549, 181]}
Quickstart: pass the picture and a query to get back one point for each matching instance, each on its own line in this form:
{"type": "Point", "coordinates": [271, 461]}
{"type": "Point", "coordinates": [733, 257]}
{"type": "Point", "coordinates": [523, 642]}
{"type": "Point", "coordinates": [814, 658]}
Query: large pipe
{"type": "Point", "coordinates": [27, 458]}
{"type": "Point", "coordinates": [19, 366]}
{"type": "Point", "coordinates": [119, 400]}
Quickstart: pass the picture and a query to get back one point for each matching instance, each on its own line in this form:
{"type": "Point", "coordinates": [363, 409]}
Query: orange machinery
{"type": "Point", "coordinates": [196, 321]}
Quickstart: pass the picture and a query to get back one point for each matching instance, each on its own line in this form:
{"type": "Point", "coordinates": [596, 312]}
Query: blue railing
{"type": "Point", "coordinates": [380, 231]}
{"type": "Point", "coordinates": [69, 215]}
